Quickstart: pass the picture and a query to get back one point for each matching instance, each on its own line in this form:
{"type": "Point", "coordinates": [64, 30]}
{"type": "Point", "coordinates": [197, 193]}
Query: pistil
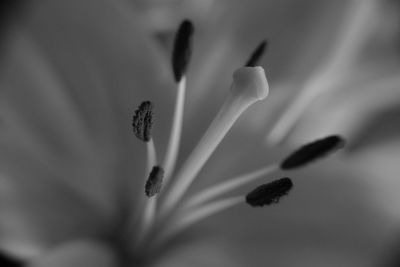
{"type": "Point", "coordinates": [249, 86]}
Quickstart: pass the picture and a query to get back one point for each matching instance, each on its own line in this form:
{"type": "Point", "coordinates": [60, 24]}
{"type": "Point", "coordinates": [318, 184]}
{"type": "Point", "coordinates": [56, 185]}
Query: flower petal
{"type": "Point", "coordinates": [71, 71]}
{"type": "Point", "coordinates": [83, 253]}
{"type": "Point", "coordinates": [354, 86]}
{"type": "Point", "coordinates": [204, 252]}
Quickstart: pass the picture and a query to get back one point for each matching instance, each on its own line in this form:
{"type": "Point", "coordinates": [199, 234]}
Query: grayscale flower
{"type": "Point", "coordinates": [79, 188]}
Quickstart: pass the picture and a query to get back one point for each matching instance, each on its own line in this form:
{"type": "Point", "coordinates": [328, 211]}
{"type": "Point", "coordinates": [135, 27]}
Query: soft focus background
{"type": "Point", "coordinates": [72, 72]}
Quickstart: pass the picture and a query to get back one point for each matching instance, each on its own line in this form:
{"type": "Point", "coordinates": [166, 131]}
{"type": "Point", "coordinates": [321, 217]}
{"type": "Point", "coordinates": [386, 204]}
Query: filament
{"type": "Point", "coordinates": [151, 155]}
{"type": "Point", "coordinates": [175, 135]}
{"type": "Point", "coordinates": [228, 185]}
{"type": "Point", "coordinates": [150, 204]}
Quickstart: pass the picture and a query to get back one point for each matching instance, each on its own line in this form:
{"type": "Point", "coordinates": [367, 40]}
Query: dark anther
{"type": "Point", "coordinates": [313, 151]}
{"type": "Point", "coordinates": [182, 49]}
{"type": "Point", "coordinates": [143, 121]}
{"type": "Point", "coordinates": [154, 182]}
{"type": "Point", "coordinates": [270, 193]}
{"type": "Point", "coordinates": [257, 54]}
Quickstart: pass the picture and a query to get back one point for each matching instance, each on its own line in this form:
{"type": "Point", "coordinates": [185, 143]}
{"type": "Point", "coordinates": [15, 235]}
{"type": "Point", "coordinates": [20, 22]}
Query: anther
{"type": "Point", "coordinates": [257, 54]}
{"type": "Point", "coordinates": [182, 49]}
{"type": "Point", "coordinates": [229, 185]}
{"type": "Point", "coordinates": [313, 151]}
{"type": "Point", "coordinates": [154, 182]}
{"type": "Point", "coordinates": [143, 121]}
{"type": "Point", "coordinates": [270, 193]}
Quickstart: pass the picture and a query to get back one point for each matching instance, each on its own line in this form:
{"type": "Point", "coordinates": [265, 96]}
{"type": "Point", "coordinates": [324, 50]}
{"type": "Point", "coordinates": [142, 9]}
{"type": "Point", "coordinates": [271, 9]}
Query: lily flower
{"type": "Point", "coordinates": [78, 188]}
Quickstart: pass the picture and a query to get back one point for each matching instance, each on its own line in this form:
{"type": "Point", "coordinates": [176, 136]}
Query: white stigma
{"type": "Point", "coordinates": [249, 86]}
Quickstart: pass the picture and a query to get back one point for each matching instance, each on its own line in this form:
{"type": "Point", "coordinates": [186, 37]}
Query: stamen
{"type": "Point", "coordinates": [180, 60]}
{"type": "Point", "coordinates": [142, 125]}
{"type": "Point", "coordinates": [152, 187]}
{"type": "Point", "coordinates": [182, 49]}
{"type": "Point", "coordinates": [257, 54]}
{"type": "Point", "coordinates": [228, 185]}
{"type": "Point", "coordinates": [312, 151]}
{"type": "Point", "coordinates": [143, 121]}
{"type": "Point", "coordinates": [249, 86]}
{"type": "Point", "coordinates": [270, 193]}
{"type": "Point", "coordinates": [154, 182]}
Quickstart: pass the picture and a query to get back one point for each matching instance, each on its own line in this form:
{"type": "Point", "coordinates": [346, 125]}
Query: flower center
{"type": "Point", "coordinates": [166, 212]}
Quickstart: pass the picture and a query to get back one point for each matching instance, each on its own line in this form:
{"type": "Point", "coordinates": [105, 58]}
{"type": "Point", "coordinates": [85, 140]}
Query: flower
{"type": "Point", "coordinates": [71, 165]}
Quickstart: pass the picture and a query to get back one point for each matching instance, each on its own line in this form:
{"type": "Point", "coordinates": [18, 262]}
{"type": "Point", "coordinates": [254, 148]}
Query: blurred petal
{"type": "Point", "coordinates": [363, 89]}
{"type": "Point", "coordinates": [68, 86]}
{"type": "Point", "coordinates": [380, 165]}
{"type": "Point", "coordinates": [78, 254]}
{"type": "Point", "coordinates": [203, 252]}
{"type": "Point", "coordinates": [365, 112]}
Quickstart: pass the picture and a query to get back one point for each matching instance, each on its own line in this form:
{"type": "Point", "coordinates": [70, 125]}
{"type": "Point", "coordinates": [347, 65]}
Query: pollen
{"type": "Point", "coordinates": [270, 193]}
{"type": "Point", "coordinates": [143, 121]}
{"type": "Point", "coordinates": [154, 182]}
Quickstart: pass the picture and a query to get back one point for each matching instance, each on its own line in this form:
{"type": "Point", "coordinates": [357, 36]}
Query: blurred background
{"type": "Point", "coordinates": [72, 73]}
